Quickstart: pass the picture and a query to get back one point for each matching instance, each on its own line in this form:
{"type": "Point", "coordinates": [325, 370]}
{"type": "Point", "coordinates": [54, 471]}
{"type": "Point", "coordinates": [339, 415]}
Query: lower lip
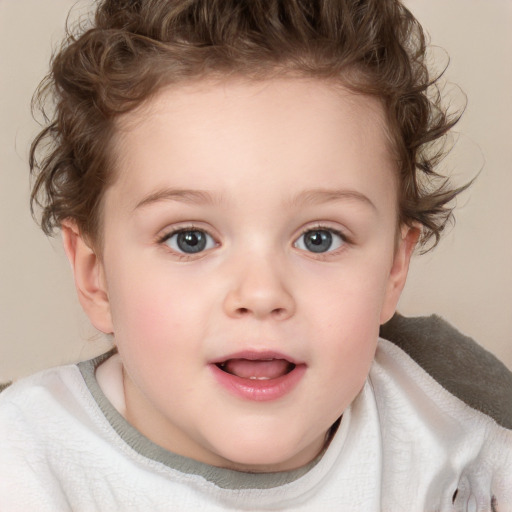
{"type": "Point", "coordinates": [259, 390]}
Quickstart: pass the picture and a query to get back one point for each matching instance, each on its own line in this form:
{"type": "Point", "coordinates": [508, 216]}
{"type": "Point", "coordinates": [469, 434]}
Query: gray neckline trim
{"type": "Point", "coordinates": [221, 477]}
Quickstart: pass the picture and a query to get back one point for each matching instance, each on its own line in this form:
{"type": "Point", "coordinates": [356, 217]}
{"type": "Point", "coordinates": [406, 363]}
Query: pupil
{"type": "Point", "coordinates": [191, 241]}
{"type": "Point", "coordinates": [318, 241]}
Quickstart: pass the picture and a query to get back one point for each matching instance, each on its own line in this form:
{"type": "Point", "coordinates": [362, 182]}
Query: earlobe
{"type": "Point", "coordinates": [89, 277]}
{"type": "Point", "coordinates": [398, 274]}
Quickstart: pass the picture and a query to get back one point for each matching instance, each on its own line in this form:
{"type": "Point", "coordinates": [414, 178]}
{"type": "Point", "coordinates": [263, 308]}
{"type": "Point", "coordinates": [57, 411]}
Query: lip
{"type": "Point", "coordinates": [259, 390]}
{"type": "Point", "coordinates": [255, 355]}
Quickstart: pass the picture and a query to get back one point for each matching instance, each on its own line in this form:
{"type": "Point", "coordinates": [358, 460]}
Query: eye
{"type": "Point", "coordinates": [320, 240]}
{"type": "Point", "coordinates": [189, 241]}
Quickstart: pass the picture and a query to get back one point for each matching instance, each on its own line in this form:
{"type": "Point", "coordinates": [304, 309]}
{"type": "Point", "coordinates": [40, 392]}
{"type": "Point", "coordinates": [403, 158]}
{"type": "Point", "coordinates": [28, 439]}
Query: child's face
{"type": "Point", "coordinates": [250, 254]}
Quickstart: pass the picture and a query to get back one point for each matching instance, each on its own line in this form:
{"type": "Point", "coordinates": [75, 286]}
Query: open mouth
{"type": "Point", "coordinates": [257, 369]}
{"type": "Point", "coordinates": [258, 376]}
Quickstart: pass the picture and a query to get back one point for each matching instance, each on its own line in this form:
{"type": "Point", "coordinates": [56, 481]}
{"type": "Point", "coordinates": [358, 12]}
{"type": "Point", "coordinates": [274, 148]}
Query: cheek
{"type": "Point", "coordinates": [142, 309]}
{"type": "Point", "coordinates": [155, 333]}
{"type": "Point", "coordinates": [351, 294]}
{"type": "Point", "coordinates": [345, 316]}
{"type": "Point", "coordinates": [155, 307]}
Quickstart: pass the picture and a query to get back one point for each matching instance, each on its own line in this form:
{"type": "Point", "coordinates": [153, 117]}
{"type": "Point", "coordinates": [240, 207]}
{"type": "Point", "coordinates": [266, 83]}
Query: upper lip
{"type": "Point", "coordinates": [255, 355]}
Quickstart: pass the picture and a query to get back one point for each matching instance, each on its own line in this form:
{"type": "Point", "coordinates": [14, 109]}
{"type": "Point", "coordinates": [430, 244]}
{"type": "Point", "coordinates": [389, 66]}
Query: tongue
{"type": "Point", "coordinates": [261, 370]}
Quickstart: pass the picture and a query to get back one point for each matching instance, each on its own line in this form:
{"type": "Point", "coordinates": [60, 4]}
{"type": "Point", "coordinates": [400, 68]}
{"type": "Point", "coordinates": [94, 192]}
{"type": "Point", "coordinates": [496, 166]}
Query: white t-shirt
{"type": "Point", "coordinates": [404, 444]}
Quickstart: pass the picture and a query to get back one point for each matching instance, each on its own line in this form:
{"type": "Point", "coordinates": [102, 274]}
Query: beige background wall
{"type": "Point", "coordinates": [467, 279]}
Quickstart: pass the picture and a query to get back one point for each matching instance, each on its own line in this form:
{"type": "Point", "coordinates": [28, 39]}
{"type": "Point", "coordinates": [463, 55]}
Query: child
{"type": "Point", "coordinates": [240, 187]}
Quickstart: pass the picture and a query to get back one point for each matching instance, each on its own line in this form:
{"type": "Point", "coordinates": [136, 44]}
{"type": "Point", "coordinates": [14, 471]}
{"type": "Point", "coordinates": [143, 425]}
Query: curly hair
{"type": "Point", "coordinates": [136, 47]}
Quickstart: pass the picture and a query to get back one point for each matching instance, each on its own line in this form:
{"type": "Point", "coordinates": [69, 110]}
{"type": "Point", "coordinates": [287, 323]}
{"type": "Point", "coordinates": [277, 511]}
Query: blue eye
{"type": "Point", "coordinates": [190, 241]}
{"type": "Point", "coordinates": [320, 240]}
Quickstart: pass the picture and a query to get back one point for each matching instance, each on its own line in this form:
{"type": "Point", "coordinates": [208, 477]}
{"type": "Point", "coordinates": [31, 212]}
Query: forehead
{"type": "Point", "coordinates": [222, 135]}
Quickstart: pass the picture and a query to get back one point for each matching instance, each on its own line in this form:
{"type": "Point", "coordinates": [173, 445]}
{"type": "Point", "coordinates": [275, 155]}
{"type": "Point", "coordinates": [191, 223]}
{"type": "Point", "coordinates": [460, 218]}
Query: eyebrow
{"type": "Point", "coordinates": [324, 195]}
{"type": "Point", "coordinates": [306, 197]}
{"type": "Point", "coordinates": [181, 195]}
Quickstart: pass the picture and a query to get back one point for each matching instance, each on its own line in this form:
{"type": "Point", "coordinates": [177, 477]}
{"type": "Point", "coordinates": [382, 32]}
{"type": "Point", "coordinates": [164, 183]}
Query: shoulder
{"type": "Point", "coordinates": [36, 414]}
{"type": "Point", "coordinates": [444, 406]}
{"type": "Point", "coordinates": [36, 411]}
{"type": "Point", "coordinates": [456, 362]}
{"type": "Point", "coordinates": [39, 399]}
{"type": "Point", "coordinates": [46, 381]}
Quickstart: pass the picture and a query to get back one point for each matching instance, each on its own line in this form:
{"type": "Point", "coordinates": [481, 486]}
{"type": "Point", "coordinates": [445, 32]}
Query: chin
{"type": "Point", "coordinates": [261, 465]}
{"type": "Point", "coordinates": [265, 457]}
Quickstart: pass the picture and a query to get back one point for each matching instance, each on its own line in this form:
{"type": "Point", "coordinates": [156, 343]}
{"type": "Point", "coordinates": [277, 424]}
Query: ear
{"type": "Point", "coordinates": [89, 277]}
{"type": "Point", "coordinates": [396, 281]}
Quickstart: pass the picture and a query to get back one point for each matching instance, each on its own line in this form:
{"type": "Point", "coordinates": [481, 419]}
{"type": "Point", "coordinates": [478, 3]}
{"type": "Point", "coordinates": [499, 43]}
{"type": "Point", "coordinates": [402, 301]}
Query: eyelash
{"type": "Point", "coordinates": [320, 227]}
{"type": "Point", "coordinates": [161, 240]}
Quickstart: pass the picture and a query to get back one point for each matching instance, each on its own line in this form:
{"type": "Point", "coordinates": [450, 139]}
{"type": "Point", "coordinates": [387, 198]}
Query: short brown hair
{"type": "Point", "coordinates": [135, 47]}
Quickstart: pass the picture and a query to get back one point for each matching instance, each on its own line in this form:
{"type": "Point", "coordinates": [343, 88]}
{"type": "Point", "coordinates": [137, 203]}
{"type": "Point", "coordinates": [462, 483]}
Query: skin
{"type": "Point", "coordinates": [253, 165]}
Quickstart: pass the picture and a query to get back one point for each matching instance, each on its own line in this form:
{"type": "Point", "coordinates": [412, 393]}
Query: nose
{"type": "Point", "coordinates": [257, 290]}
